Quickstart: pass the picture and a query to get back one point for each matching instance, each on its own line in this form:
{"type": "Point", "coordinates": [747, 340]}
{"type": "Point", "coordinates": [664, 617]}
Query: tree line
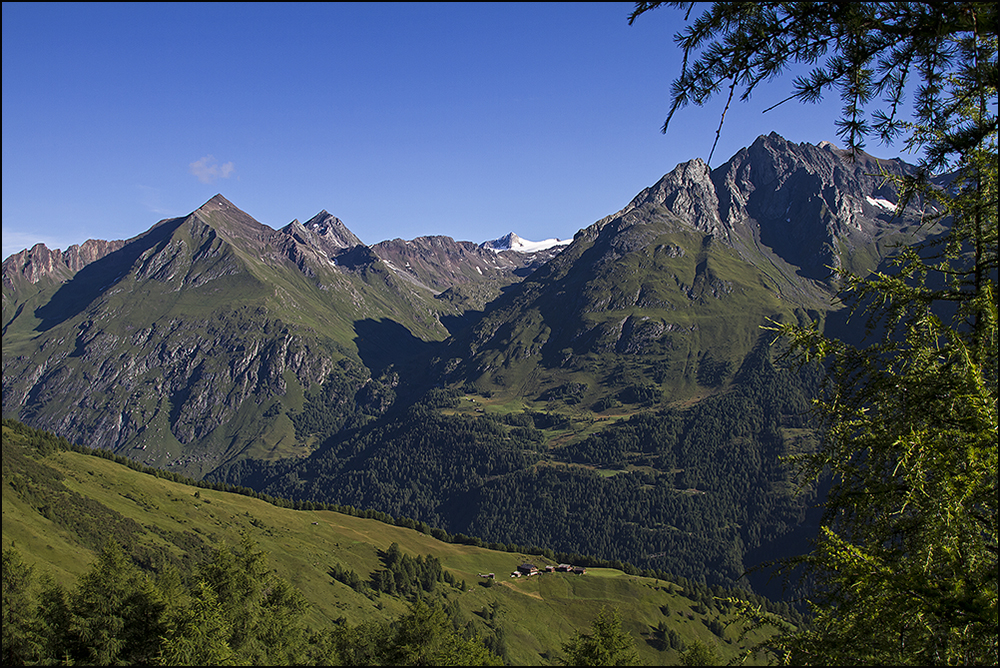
{"type": "Point", "coordinates": [232, 610]}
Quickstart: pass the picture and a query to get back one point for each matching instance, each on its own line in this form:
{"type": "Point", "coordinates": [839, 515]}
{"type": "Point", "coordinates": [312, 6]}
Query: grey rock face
{"type": "Point", "coordinates": [323, 231]}
{"type": "Point", "coordinates": [39, 262]}
{"type": "Point", "coordinates": [689, 193]}
{"type": "Point", "coordinates": [804, 201]}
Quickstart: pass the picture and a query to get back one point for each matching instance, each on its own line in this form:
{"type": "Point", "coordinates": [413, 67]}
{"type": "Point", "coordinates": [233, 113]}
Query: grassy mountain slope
{"type": "Point", "coordinates": [188, 346]}
{"type": "Point", "coordinates": [59, 505]}
{"type": "Point", "coordinates": [650, 304]}
{"type": "Point", "coordinates": [671, 291]}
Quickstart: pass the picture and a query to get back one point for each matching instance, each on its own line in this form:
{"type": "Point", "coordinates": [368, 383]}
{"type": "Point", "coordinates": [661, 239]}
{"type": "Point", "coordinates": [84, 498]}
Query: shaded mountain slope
{"type": "Point", "coordinates": [176, 345]}
{"type": "Point", "coordinates": [671, 291]}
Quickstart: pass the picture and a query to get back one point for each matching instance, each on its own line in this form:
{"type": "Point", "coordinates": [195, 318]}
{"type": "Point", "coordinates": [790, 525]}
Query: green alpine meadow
{"type": "Point", "coordinates": [750, 417]}
{"type": "Point", "coordinates": [107, 562]}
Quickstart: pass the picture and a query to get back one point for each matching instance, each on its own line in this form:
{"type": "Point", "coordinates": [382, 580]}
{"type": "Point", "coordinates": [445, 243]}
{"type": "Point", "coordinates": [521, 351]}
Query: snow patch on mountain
{"type": "Point", "coordinates": [885, 204]}
{"type": "Point", "coordinates": [512, 242]}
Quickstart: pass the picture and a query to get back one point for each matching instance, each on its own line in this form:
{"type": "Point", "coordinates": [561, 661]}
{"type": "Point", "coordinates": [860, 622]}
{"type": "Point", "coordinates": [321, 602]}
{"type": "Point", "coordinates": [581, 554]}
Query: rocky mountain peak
{"type": "Point", "coordinates": [332, 230]}
{"type": "Point", "coordinates": [687, 192]}
{"type": "Point", "coordinates": [217, 202]}
{"type": "Point", "coordinates": [801, 201]}
{"type": "Point", "coordinates": [509, 241]}
{"type": "Point", "coordinates": [512, 242]}
{"type": "Point", "coordinates": [805, 200]}
{"type": "Point", "coordinates": [230, 221]}
{"type": "Point", "coordinates": [39, 262]}
{"type": "Point", "coordinates": [325, 239]}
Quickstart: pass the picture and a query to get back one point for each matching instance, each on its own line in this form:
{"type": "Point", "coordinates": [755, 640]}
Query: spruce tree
{"type": "Point", "coordinates": [115, 612]}
{"type": "Point", "coordinates": [23, 642]}
{"type": "Point", "coordinates": [607, 644]}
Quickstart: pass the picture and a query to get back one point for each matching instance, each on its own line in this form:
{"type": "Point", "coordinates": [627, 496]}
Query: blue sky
{"type": "Point", "coordinates": [403, 120]}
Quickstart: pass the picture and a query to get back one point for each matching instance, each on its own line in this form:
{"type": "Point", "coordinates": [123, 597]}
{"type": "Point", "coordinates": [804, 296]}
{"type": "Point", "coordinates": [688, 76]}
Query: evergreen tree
{"type": "Point", "coordinates": [261, 611]}
{"type": "Point", "coordinates": [236, 611]}
{"type": "Point", "coordinates": [54, 616]}
{"type": "Point", "coordinates": [346, 645]}
{"type": "Point", "coordinates": [607, 644]}
{"type": "Point", "coordinates": [22, 634]}
{"type": "Point", "coordinates": [905, 566]}
{"type": "Point", "coordinates": [115, 612]}
{"type": "Point", "coordinates": [197, 633]}
{"type": "Point", "coordinates": [700, 654]}
{"type": "Point", "coordinates": [425, 637]}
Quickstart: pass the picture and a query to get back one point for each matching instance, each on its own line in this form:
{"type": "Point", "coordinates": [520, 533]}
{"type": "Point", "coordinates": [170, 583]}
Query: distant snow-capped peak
{"type": "Point", "coordinates": [512, 242]}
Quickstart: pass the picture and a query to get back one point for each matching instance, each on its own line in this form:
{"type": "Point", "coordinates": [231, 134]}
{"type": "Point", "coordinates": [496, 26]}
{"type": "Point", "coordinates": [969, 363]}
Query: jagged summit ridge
{"type": "Point", "coordinates": [38, 262]}
{"type": "Point", "coordinates": [333, 230]}
{"type": "Point", "coordinates": [802, 201]}
{"type": "Point", "coordinates": [323, 231]}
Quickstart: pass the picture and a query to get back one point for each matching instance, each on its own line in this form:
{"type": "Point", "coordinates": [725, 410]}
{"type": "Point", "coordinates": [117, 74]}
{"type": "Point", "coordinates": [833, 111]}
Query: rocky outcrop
{"type": "Point", "coordinates": [323, 231]}
{"type": "Point", "coordinates": [175, 370]}
{"type": "Point", "coordinates": [39, 262]}
{"type": "Point", "coordinates": [802, 202]}
{"type": "Point", "coordinates": [805, 202]}
{"type": "Point", "coordinates": [687, 192]}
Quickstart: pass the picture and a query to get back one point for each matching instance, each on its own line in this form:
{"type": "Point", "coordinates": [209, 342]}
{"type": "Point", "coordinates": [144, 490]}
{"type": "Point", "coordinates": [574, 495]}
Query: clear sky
{"type": "Point", "coordinates": [403, 120]}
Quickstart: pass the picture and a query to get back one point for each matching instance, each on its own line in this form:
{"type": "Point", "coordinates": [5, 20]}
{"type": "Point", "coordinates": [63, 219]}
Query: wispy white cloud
{"type": "Point", "coordinates": [208, 169]}
{"type": "Point", "coordinates": [16, 241]}
{"type": "Point", "coordinates": [151, 199]}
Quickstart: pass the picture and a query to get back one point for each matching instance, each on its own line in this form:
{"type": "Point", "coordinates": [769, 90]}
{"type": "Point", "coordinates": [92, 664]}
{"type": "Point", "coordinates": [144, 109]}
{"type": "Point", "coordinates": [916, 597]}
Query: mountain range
{"type": "Point", "coordinates": [612, 395]}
